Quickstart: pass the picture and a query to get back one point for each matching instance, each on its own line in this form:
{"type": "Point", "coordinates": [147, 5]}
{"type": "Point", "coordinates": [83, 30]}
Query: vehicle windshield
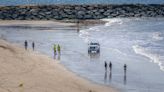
{"type": "Point", "coordinates": [94, 43]}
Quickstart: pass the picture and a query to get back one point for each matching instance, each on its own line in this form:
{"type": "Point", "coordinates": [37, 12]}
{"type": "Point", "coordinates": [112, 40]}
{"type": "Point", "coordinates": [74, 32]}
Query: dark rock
{"type": "Point", "coordinates": [48, 12]}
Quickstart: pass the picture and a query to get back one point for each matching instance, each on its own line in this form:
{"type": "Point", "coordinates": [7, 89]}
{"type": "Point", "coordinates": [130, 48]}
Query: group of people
{"type": "Point", "coordinates": [106, 66]}
{"type": "Point", "coordinates": [110, 74]}
{"type": "Point", "coordinates": [110, 67]}
{"type": "Point", "coordinates": [56, 49]}
{"type": "Point", "coordinates": [26, 45]}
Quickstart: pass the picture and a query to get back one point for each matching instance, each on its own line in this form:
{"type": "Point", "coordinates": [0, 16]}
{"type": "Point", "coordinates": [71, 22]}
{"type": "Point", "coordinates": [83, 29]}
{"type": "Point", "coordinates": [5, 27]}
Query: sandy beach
{"type": "Point", "coordinates": [28, 71]}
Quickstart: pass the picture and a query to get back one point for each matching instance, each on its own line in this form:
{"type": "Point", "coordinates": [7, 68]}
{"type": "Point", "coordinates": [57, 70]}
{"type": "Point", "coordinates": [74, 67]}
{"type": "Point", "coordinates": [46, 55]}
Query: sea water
{"type": "Point", "coordinates": [21, 2]}
{"type": "Point", "coordinates": [130, 37]}
{"type": "Point", "coordinates": [133, 42]}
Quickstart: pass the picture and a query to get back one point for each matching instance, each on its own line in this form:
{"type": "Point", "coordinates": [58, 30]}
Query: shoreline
{"type": "Point", "coordinates": [66, 22]}
{"type": "Point", "coordinates": [27, 73]}
{"type": "Point", "coordinates": [51, 24]}
{"type": "Point", "coordinates": [23, 82]}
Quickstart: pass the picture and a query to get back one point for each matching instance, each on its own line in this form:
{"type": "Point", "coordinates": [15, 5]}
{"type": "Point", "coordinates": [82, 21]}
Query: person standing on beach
{"type": "Point", "coordinates": [58, 48]}
{"type": "Point", "coordinates": [105, 65]}
{"type": "Point", "coordinates": [33, 46]}
{"type": "Point", "coordinates": [54, 49]}
{"type": "Point", "coordinates": [125, 68]}
{"type": "Point", "coordinates": [25, 44]}
{"type": "Point", "coordinates": [110, 66]}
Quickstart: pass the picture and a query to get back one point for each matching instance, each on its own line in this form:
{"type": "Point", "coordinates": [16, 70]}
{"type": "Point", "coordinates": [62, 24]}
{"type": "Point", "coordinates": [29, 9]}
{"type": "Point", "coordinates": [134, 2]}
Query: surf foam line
{"type": "Point", "coordinates": [114, 21]}
{"type": "Point", "coordinates": [87, 35]}
{"type": "Point", "coordinates": [157, 36]}
{"type": "Point", "coordinates": [153, 57]}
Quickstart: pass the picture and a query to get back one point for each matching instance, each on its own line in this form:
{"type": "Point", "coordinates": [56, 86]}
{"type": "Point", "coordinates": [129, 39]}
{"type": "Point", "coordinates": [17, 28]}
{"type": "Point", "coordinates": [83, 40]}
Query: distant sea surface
{"type": "Point", "coordinates": [23, 2]}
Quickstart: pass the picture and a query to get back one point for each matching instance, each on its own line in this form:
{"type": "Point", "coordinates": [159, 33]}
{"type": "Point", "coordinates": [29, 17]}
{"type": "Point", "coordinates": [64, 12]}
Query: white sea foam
{"type": "Point", "coordinates": [153, 57]}
{"type": "Point", "coordinates": [157, 36]}
{"type": "Point", "coordinates": [85, 35]}
{"type": "Point", "coordinates": [115, 21]}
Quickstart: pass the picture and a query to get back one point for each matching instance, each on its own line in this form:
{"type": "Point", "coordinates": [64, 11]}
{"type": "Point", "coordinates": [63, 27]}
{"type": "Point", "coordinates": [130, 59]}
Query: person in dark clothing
{"type": "Point", "coordinates": [110, 66]}
{"type": "Point", "coordinates": [105, 65]}
{"type": "Point", "coordinates": [58, 48]}
{"type": "Point", "coordinates": [54, 49]}
{"type": "Point", "coordinates": [25, 44]}
{"type": "Point", "coordinates": [125, 68]}
{"type": "Point", "coordinates": [33, 45]}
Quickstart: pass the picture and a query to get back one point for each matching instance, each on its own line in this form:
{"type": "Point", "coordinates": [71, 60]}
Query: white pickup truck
{"type": "Point", "coordinates": [93, 47]}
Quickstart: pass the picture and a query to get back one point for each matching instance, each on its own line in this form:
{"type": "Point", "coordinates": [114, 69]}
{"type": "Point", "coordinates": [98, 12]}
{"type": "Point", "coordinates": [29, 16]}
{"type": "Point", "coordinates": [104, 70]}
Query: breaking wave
{"type": "Point", "coordinates": [111, 22]}
{"type": "Point", "coordinates": [153, 57]}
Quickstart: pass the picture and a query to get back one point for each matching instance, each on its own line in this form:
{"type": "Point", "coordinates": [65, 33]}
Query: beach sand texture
{"type": "Point", "coordinates": [28, 71]}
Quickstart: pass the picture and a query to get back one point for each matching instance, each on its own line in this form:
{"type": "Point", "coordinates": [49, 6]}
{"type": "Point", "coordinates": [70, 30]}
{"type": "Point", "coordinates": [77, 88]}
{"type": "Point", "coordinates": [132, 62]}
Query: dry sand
{"type": "Point", "coordinates": [28, 71]}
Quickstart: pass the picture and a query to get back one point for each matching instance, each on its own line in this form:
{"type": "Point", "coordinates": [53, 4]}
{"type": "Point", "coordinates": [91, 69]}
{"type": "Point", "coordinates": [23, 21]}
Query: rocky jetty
{"type": "Point", "coordinates": [49, 12]}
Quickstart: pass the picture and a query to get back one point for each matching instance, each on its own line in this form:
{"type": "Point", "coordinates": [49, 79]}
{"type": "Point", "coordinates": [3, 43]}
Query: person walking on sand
{"type": "Point", "coordinates": [105, 65]}
{"type": "Point", "coordinates": [25, 44]}
{"type": "Point", "coordinates": [58, 48]}
{"type": "Point", "coordinates": [33, 46]}
{"type": "Point", "coordinates": [110, 66]}
{"type": "Point", "coordinates": [125, 68]}
{"type": "Point", "coordinates": [54, 49]}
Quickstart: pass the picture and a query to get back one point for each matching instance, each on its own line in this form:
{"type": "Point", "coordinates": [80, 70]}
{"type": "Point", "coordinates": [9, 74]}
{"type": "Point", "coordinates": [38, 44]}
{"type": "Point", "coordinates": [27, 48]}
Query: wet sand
{"type": "Point", "coordinates": [28, 71]}
{"type": "Point", "coordinates": [24, 71]}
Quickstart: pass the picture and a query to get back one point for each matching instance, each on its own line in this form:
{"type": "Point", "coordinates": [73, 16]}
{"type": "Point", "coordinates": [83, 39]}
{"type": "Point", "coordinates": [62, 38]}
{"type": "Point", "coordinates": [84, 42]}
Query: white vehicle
{"type": "Point", "coordinates": [94, 47]}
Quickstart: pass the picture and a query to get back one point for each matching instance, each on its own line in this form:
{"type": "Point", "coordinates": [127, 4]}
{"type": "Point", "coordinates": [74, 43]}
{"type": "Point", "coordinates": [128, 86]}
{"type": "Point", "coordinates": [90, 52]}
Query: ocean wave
{"type": "Point", "coordinates": [155, 58]}
{"type": "Point", "coordinates": [88, 34]}
{"type": "Point", "coordinates": [116, 50]}
{"type": "Point", "coordinates": [84, 35]}
{"type": "Point", "coordinates": [110, 22]}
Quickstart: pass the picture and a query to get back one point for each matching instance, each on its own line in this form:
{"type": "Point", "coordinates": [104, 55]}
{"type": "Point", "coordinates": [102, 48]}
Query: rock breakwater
{"type": "Point", "coordinates": [58, 12]}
